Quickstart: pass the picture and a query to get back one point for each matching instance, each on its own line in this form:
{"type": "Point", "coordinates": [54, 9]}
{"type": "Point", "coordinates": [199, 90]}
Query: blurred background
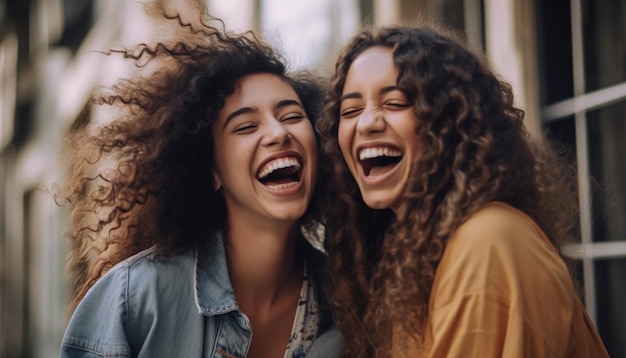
{"type": "Point", "coordinates": [566, 60]}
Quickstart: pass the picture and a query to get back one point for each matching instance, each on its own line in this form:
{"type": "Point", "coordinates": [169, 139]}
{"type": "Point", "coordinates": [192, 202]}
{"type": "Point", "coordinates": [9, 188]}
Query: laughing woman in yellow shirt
{"type": "Point", "coordinates": [445, 229]}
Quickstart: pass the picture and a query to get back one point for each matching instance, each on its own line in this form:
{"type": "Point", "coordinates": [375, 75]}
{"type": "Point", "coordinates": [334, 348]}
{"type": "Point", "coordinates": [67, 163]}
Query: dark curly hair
{"type": "Point", "coordinates": [144, 177]}
{"type": "Point", "coordinates": [475, 150]}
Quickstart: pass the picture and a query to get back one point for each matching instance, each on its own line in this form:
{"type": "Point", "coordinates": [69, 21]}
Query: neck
{"type": "Point", "coordinates": [262, 261]}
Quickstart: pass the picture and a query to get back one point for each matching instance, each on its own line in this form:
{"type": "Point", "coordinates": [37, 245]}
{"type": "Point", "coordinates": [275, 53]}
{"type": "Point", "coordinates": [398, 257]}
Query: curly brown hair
{"type": "Point", "coordinates": [475, 150]}
{"type": "Point", "coordinates": [144, 177]}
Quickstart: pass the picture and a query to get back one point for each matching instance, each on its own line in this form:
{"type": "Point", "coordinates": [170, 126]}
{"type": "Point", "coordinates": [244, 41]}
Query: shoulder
{"type": "Point", "coordinates": [498, 226]}
{"type": "Point", "coordinates": [152, 284]}
{"type": "Point", "coordinates": [146, 266]}
{"type": "Point", "coordinates": [500, 247]}
{"type": "Point", "coordinates": [135, 273]}
{"type": "Point", "coordinates": [118, 311]}
{"type": "Point", "coordinates": [142, 272]}
{"type": "Point", "coordinates": [500, 273]}
{"type": "Point", "coordinates": [494, 217]}
{"type": "Point", "coordinates": [149, 260]}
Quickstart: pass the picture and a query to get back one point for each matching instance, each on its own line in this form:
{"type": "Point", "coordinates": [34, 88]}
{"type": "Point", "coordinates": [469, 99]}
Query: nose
{"type": "Point", "coordinates": [276, 133]}
{"type": "Point", "coordinates": [371, 121]}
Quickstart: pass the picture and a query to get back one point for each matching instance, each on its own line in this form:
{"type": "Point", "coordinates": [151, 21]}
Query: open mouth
{"type": "Point", "coordinates": [376, 161]}
{"type": "Point", "coordinates": [280, 173]}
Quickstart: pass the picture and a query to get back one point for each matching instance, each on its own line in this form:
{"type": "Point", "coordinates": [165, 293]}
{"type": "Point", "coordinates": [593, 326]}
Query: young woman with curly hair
{"type": "Point", "coordinates": [190, 207]}
{"type": "Point", "coordinates": [445, 227]}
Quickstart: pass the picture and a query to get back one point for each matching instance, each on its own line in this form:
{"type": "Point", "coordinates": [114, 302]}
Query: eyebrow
{"type": "Point", "coordinates": [383, 90]}
{"type": "Point", "coordinates": [246, 110]}
{"type": "Point", "coordinates": [289, 102]}
{"type": "Point", "coordinates": [239, 112]}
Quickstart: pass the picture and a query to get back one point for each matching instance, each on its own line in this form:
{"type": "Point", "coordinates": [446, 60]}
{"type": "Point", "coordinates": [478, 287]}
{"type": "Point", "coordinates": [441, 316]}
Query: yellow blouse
{"type": "Point", "coordinates": [501, 290]}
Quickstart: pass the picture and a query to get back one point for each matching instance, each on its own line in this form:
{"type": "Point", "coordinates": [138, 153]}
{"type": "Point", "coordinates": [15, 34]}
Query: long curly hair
{"type": "Point", "coordinates": [475, 150]}
{"type": "Point", "coordinates": [144, 177]}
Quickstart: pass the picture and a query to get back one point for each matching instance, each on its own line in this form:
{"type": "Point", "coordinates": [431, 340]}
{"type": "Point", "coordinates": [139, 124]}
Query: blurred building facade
{"type": "Point", "coordinates": [566, 60]}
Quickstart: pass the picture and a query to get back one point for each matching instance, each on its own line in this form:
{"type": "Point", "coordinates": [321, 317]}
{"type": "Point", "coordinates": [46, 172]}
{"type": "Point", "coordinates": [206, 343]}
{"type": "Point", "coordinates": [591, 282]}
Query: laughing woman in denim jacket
{"type": "Point", "coordinates": [190, 208]}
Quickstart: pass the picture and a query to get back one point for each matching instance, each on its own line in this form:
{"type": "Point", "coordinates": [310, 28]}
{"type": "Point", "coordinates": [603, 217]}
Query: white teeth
{"type": "Point", "coordinates": [276, 164]}
{"type": "Point", "coordinates": [282, 186]}
{"type": "Point", "coordinates": [375, 152]}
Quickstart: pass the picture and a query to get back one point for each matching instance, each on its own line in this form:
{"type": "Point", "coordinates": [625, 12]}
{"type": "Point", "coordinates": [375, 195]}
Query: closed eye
{"type": "Point", "coordinates": [293, 117]}
{"type": "Point", "coordinates": [350, 112]}
{"type": "Point", "coordinates": [245, 128]}
{"type": "Point", "coordinates": [396, 105]}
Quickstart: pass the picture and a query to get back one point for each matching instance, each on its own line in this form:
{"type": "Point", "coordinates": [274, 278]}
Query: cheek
{"type": "Point", "coordinates": [306, 138]}
{"type": "Point", "coordinates": [232, 157]}
{"type": "Point", "coordinates": [309, 133]}
{"type": "Point", "coordinates": [406, 126]}
{"type": "Point", "coordinates": [312, 152]}
{"type": "Point", "coordinates": [414, 146]}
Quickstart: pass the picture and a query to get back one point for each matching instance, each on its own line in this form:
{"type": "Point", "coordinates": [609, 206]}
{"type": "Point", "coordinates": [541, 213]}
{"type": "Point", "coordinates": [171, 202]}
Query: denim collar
{"type": "Point", "coordinates": [214, 292]}
{"type": "Point", "coordinates": [213, 289]}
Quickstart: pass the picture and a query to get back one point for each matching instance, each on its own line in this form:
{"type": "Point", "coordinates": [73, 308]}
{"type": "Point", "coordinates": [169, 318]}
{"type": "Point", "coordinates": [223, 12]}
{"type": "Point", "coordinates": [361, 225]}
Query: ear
{"type": "Point", "coordinates": [217, 181]}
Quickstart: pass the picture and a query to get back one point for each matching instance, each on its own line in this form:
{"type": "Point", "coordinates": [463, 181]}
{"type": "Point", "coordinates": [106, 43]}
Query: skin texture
{"type": "Point", "coordinates": [266, 122]}
{"type": "Point", "coordinates": [462, 144]}
{"type": "Point", "coordinates": [375, 115]}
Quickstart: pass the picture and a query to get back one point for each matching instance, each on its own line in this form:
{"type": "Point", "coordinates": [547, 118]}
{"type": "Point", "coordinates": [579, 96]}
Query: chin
{"type": "Point", "coordinates": [378, 204]}
{"type": "Point", "coordinates": [380, 200]}
{"type": "Point", "coordinates": [290, 214]}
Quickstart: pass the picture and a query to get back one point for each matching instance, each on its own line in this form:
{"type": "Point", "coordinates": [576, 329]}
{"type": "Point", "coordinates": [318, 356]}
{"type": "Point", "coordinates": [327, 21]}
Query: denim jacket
{"type": "Point", "coordinates": [181, 306]}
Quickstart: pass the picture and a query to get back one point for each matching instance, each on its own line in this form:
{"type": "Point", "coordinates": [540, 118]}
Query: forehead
{"type": "Point", "coordinates": [258, 89]}
{"type": "Point", "coordinates": [373, 66]}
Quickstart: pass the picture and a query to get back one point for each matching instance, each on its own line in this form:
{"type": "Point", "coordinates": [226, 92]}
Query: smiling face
{"type": "Point", "coordinates": [265, 151]}
{"type": "Point", "coordinates": [377, 128]}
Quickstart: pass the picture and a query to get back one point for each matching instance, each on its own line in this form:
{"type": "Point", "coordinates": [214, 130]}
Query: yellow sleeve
{"type": "Point", "coordinates": [501, 290]}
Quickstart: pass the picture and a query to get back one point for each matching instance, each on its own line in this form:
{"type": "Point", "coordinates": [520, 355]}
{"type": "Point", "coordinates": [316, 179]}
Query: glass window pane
{"type": "Point", "coordinates": [611, 312]}
{"type": "Point", "coordinates": [554, 49]}
{"type": "Point", "coordinates": [604, 31]}
{"type": "Point", "coordinates": [607, 148]}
